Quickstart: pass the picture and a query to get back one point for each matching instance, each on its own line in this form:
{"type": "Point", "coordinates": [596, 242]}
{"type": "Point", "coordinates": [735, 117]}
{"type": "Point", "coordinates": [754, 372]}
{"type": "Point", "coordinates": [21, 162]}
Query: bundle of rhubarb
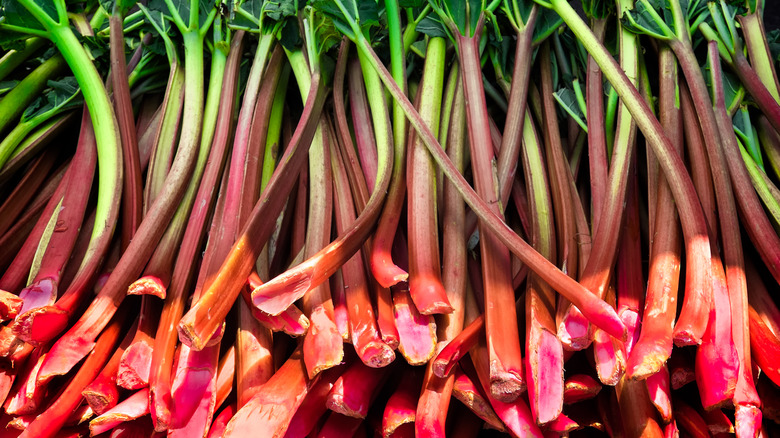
{"type": "Point", "coordinates": [395, 218]}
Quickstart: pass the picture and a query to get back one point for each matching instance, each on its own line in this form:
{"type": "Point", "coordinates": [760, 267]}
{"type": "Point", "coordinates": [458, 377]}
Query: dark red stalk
{"type": "Point", "coordinates": [358, 184]}
{"type": "Point", "coordinates": [362, 321]}
{"type": "Point", "coordinates": [402, 405]}
{"type": "Point", "coordinates": [628, 270]}
{"type": "Point", "coordinates": [55, 415]}
{"type": "Point", "coordinates": [689, 420]}
{"type": "Point", "coordinates": [355, 390]}
{"type": "Point", "coordinates": [196, 328]}
{"type": "Point", "coordinates": [386, 272]}
{"type": "Point", "coordinates": [506, 363]}
{"type": "Point", "coordinates": [361, 121]}
{"type": "Point", "coordinates": [473, 397]}
{"type": "Point", "coordinates": [597, 141]}
{"type": "Point", "coordinates": [508, 156]}
{"type": "Point", "coordinates": [103, 394]}
{"type": "Point", "coordinates": [132, 190]}
{"type": "Point", "coordinates": [638, 414]}
{"type": "Point", "coordinates": [696, 301]}
{"type": "Point", "coordinates": [340, 426]}
{"type": "Point", "coordinates": [765, 346]}
{"type": "Point", "coordinates": [654, 345]}
{"type": "Point", "coordinates": [44, 288]}
{"type": "Point", "coordinates": [313, 406]}
{"type": "Point", "coordinates": [131, 408]}
{"type": "Point", "coordinates": [558, 177]}
{"type": "Point", "coordinates": [761, 301]}
{"type": "Point", "coordinates": [660, 393]}
{"type": "Point", "coordinates": [14, 239]}
{"type": "Point", "coordinates": [28, 186]}
{"type": "Point", "coordinates": [579, 387]}
{"type": "Point", "coordinates": [16, 274]}
{"type": "Point", "coordinates": [181, 281]}
{"type": "Point", "coordinates": [748, 415]}
{"type": "Point", "coordinates": [133, 371]}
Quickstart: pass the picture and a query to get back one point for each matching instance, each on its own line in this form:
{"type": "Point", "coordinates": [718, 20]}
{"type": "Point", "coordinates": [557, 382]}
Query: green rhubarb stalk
{"type": "Point", "coordinates": [322, 346]}
{"type": "Point", "coordinates": [386, 272]}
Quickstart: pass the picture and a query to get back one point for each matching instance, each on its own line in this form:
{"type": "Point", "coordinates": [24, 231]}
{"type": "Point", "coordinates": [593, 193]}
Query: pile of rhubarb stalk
{"type": "Point", "coordinates": [389, 218]}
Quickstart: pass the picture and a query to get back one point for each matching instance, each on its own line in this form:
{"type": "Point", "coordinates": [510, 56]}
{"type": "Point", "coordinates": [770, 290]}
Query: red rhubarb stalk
{"type": "Point", "coordinates": [747, 403]}
{"type": "Point", "coordinates": [133, 371]}
{"type": "Point", "coordinates": [313, 406]}
{"type": "Point", "coordinates": [717, 363]}
{"type": "Point", "coordinates": [167, 336]}
{"type": "Point", "coordinates": [132, 190]}
{"type": "Point", "coordinates": [195, 327]}
{"type": "Point", "coordinates": [544, 352]}
{"type": "Point", "coordinates": [135, 406]}
{"type": "Point", "coordinates": [579, 387]}
{"type": "Point", "coordinates": [654, 345]}
{"type": "Point", "coordinates": [425, 284]}
{"type": "Point", "coordinates": [272, 409]}
{"type": "Point", "coordinates": [54, 416]}
{"type": "Point", "coordinates": [505, 363]}
{"type": "Point", "coordinates": [401, 407]}
{"type": "Point", "coordinates": [103, 394]}
{"type": "Point", "coordinates": [362, 321]}
{"type": "Point", "coordinates": [433, 405]}
{"type": "Point", "coordinates": [80, 339]}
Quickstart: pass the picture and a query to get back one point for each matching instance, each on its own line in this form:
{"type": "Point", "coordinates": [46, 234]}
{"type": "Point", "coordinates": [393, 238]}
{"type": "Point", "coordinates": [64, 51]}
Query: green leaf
{"type": "Point", "coordinates": [568, 102]}
{"type": "Point", "coordinates": [14, 14]}
{"type": "Point", "coordinates": [747, 134]}
{"type": "Point", "coordinates": [547, 22]}
{"type": "Point", "coordinates": [432, 26]}
{"type": "Point", "coordinates": [598, 8]}
{"type": "Point", "coordinates": [6, 86]}
{"type": "Point", "coordinates": [411, 3]}
{"type": "Point", "coordinates": [290, 35]}
{"type": "Point", "coordinates": [363, 12]}
{"type": "Point", "coordinates": [649, 18]}
{"type": "Point", "coordinates": [61, 96]}
{"type": "Point", "coordinates": [464, 14]}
